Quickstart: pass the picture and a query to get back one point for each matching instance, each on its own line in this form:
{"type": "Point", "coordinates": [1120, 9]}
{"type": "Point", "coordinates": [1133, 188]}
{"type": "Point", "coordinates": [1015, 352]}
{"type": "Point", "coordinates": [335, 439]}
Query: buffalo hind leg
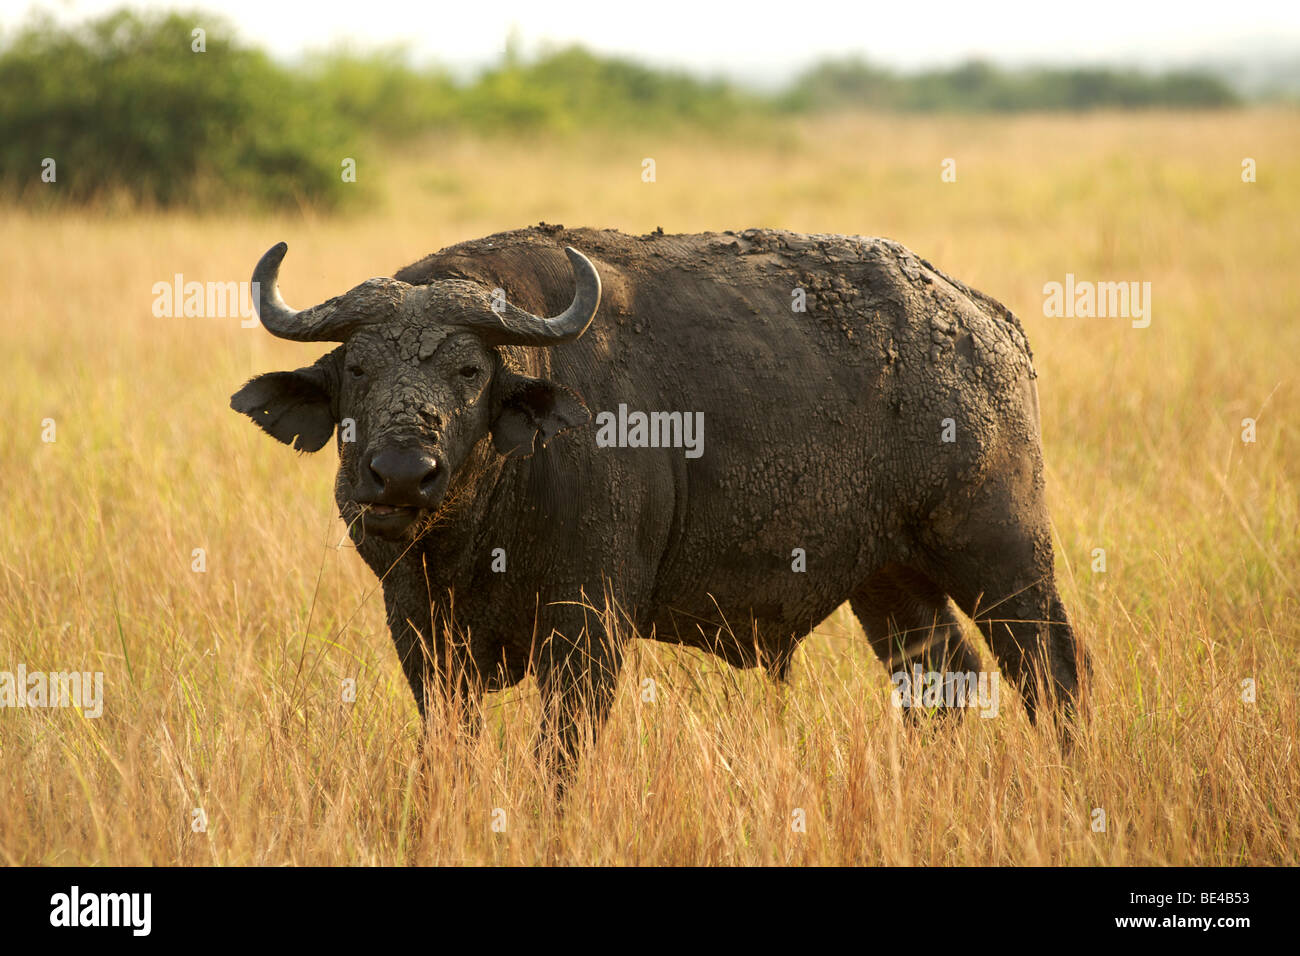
{"type": "Point", "coordinates": [1010, 592]}
{"type": "Point", "coordinates": [910, 623]}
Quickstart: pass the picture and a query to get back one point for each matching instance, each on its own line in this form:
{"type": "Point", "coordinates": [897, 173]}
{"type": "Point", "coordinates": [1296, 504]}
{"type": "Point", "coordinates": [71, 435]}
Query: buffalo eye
{"type": "Point", "coordinates": [469, 371]}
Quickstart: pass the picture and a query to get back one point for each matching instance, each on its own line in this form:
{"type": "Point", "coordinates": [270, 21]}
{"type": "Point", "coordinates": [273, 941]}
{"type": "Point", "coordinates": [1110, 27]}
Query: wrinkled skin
{"type": "Point", "coordinates": [822, 432]}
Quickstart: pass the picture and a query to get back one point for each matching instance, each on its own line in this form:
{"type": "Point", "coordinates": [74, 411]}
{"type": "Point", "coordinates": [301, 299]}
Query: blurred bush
{"type": "Point", "coordinates": [125, 106]}
{"type": "Point", "coordinates": [571, 88]}
{"type": "Point", "coordinates": [982, 87]}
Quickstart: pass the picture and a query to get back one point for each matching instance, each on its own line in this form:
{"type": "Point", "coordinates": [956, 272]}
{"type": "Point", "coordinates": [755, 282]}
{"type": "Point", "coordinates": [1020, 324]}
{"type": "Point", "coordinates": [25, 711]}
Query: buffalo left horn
{"type": "Point", "coordinates": [375, 300]}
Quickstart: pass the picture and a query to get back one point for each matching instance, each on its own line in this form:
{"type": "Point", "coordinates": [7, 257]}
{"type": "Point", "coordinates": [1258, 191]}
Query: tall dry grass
{"type": "Point", "coordinates": [223, 687]}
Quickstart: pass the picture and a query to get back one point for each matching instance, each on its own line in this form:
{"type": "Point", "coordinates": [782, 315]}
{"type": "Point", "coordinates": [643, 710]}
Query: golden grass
{"type": "Point", "coordinates": [223, 688]}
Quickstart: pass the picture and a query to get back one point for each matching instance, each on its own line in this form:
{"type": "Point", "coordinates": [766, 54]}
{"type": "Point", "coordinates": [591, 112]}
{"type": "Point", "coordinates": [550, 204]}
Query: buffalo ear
{"type": "Point", "coordinates": [532, 412]}
{"type": "Point", "coordinates": [289, 404]}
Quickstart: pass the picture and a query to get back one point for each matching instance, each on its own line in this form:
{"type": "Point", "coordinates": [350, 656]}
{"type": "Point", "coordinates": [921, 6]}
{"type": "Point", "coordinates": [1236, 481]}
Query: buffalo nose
{"type": "Point", "coordinates": [404, 475]}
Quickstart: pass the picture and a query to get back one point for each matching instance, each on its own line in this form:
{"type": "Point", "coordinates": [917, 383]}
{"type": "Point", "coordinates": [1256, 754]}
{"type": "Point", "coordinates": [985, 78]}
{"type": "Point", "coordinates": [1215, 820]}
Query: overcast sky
{"type": "Point", "coordinates": [758, 41]}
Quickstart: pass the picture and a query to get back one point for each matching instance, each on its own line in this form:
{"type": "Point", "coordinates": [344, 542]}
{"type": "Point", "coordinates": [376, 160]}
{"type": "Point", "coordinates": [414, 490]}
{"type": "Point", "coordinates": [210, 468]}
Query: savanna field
{"type": "Point", "coordinates": [222, 688]}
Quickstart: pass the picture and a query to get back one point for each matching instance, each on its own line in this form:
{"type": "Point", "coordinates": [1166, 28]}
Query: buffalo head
{"type": "Point", "coordinates": [417, 382]}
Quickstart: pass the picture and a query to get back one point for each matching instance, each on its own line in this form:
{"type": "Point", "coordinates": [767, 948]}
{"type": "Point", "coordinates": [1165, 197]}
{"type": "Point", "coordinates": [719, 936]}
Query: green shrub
{"type": "Point", "coordinates": [123, 104]}
{"type": "Point", "coordinates": [981, 87]}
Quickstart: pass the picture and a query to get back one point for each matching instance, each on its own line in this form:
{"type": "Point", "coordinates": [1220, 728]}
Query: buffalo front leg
{"type": "Point", "coordinates": [431, 658]}
{"type": "Point", "coordinates": [577, 671]}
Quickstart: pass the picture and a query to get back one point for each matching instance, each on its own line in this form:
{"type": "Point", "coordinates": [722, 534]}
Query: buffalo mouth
{"type": "Point", "coordinates": [388, 521]}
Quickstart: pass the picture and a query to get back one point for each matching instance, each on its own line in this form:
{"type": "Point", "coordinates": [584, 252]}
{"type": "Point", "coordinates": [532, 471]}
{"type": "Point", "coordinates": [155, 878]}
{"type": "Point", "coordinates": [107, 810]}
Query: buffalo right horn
{"type": "Point", "coordinates": [513, 326]}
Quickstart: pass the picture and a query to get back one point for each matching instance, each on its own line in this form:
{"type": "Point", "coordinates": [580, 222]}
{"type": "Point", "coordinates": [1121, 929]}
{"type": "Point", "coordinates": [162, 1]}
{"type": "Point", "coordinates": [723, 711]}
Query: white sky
{"type": "Point", "coordinates": [758, 41]}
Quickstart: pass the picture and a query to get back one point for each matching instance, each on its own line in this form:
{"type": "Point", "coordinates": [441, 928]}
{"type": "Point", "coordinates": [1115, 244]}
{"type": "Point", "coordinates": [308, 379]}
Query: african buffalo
{"type": "Point", "coordinates": [865, 430]}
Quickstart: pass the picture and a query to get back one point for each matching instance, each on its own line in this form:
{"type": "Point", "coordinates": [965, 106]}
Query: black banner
{"type": "Point", "coordinates": [944, 906]}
